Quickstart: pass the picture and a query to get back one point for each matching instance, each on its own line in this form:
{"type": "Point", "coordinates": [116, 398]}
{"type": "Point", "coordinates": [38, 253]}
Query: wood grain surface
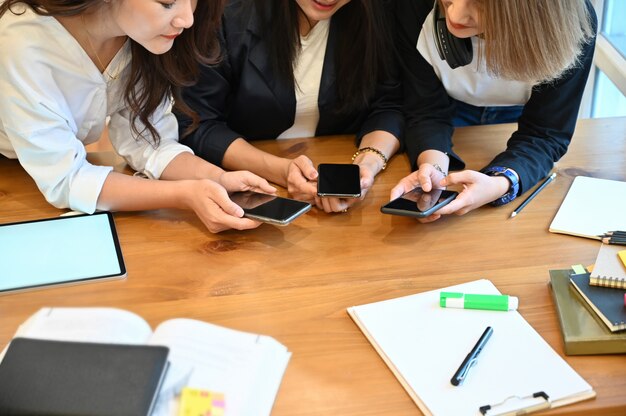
{"type": "Point", "coordinates": [294, 283]}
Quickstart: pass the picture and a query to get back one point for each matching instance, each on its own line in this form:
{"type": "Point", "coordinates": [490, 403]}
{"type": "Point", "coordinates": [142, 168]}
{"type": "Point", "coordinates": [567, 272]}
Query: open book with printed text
{"type": "Point", "coordinates": [247, 368]}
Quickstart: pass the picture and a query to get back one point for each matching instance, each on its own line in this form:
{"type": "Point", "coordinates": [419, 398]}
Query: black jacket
{"type": "Point", "coordinates": [545, 127]}
{"type": "Point", "coordinates": [242, 97]}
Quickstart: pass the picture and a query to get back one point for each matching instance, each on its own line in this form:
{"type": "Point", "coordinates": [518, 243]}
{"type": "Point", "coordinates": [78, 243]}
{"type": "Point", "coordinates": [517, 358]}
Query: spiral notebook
{"type": "Point", "coordinates": [607, 303]}
{"type": "Point", "coordinates": [424, 344]}
{"type": "Point", "coordinates": [609, 271]}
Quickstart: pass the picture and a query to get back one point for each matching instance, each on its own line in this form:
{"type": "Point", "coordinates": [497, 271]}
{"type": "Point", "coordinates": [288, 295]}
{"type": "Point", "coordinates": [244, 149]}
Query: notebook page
{"type": "Point", "coordinates": [106, 325]}
{"type": "Point", "coordinates": [591, 207]}
{"type": "Point", "coordinates": [426, 345]}
{"type": "Point", "coordinates": [246, 367]}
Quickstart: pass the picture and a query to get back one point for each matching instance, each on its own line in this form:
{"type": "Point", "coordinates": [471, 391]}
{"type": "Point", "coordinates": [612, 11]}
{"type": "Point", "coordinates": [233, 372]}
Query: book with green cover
{"type": "Point", "coordinates": [583, 332]}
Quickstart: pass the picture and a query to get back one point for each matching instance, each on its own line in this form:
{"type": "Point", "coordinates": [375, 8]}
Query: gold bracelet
{"type": "Point", "coordinates": [373, 150]}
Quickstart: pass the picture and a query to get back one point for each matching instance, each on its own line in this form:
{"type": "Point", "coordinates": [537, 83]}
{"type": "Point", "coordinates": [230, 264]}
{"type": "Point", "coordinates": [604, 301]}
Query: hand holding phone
{"type": "Point", "coordinates": [269, 208]}
{"type": "Point", "coordinates": [339, 180]}
{"type": "Point", "coordinates": [419, 204]}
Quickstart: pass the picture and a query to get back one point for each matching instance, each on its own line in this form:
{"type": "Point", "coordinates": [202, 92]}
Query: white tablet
{"type": "Point", "coordinates": [59, 251]}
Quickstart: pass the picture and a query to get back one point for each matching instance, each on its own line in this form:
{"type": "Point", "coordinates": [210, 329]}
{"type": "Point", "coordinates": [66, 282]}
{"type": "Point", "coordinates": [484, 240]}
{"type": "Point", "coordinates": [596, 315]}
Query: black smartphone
{"type": "Point", "coordinates": [339, 180]}
{"type": "Point", "coordinates": [269, 208]}
{"type": "Point", "coordinates": [420, 204]}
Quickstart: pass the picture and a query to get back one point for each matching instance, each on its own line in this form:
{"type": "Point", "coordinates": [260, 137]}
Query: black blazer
{"type": "Point", "coordinates": [242, 97]}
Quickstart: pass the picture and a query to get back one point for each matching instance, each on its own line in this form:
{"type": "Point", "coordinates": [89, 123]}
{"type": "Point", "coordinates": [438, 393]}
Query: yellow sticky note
{"type": "Point", "coordinates": [622, 256]}
{"type": "Point", "coordinates": [579, 269]}
{"type": "Point", "coordinates": [196, 402]}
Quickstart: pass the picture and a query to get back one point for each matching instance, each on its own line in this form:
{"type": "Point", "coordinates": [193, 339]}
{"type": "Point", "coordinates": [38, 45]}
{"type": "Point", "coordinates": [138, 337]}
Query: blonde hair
{"type": "Point", "coordinates": [533, 40]}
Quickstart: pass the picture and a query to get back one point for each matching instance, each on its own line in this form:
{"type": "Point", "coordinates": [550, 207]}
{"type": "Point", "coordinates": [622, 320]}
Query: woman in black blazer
{"type": "Point", "coordinates": [251, 95]}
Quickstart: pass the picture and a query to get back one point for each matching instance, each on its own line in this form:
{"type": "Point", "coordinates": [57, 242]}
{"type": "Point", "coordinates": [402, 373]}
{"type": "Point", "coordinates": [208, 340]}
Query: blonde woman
{"type": "Point", "coordinates": [469, 62]}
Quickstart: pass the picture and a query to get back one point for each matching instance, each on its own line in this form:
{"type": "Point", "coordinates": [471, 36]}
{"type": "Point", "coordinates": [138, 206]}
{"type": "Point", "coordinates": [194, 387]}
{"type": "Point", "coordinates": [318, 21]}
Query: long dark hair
{"type": "Point", "coordinates": [153, 77]}
{"type": "Point", "coordinates": [363, 49]}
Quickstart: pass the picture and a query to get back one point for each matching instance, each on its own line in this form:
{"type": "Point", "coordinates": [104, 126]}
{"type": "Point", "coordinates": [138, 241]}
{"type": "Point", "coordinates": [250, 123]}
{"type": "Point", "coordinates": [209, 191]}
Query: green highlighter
{"type": "Point", "coordinates": [474, 301]}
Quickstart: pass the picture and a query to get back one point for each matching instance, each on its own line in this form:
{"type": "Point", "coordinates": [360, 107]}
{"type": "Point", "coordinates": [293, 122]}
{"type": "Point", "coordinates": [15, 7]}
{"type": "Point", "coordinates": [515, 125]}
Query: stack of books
{"type": "Point", "coordinates": [592, 306]}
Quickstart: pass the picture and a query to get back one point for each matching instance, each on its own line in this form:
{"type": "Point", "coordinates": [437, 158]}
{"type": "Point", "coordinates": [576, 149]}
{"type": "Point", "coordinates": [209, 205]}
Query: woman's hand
{"type": "Point", "coordinates": [427, 177]}
{"type": "Point", "coordinates": [302, 179]}
{"type": "Point", "coordinates": [242, 180]}
{"type": "Point", "coordinates": [478, 190]}
{"type": "Point", "coordinates": [210, 201]}
{"type": "Point", "coordinates": [367, 172]}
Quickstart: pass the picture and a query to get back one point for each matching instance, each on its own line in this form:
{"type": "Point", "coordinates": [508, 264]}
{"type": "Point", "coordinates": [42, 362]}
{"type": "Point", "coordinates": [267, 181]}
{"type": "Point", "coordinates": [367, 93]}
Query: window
{"type": "Point", "coordinates": [614, 28]}
{"type": "Point", "coordinates": [608, 76]}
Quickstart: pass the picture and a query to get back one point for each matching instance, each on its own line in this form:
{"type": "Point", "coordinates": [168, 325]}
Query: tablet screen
{"type": "Point", "coordinates": [59, 250]}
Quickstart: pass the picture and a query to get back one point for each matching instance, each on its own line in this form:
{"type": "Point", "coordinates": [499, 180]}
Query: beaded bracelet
{"type": "Point", "coordinates": [440, 170]}
{"type": "Point", "coordinates": [373, 150]}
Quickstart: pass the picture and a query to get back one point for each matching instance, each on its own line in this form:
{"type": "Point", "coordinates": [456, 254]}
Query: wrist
{"type": "Point", "coordinates": [502, 184]}
{"type": "Point", "coordinates": [513, 179]}
{"type": "Point", "coordinates": [374, 162]}
{"type": "Point", "coordinates": [184, 194]}
{"type": "Point", "coordinates": [220, 179]}
{"type": "Point", "coordinates": [439, 169]}
{"type": "Point", "coordinates": [434, 157]}
{"type": "Point", "coordinates": [369, 152]}
{"type": "Point", "coordinates": [283, 177]}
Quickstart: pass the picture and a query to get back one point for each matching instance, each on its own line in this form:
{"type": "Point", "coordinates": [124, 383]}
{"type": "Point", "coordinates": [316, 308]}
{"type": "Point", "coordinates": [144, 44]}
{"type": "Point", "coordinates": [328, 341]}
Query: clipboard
{"type": "Point", "coordinates": [423, 345]}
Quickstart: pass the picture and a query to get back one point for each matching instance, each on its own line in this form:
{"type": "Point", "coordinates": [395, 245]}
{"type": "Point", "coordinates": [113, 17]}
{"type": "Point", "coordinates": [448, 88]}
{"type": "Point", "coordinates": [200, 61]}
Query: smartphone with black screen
{"type": "Point", "coordinates": [269, 208]}
{"type": "Point", "coordinates": [420, 204]}
{"type": "Point", "coordinates": [339, 180]}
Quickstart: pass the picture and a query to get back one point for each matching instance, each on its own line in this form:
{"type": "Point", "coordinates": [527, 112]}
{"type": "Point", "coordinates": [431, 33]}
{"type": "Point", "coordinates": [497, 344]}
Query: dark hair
{"type": "Point", "coordinates": [153, 77]}
{"type": "Point", "coordinates": [362, 53]}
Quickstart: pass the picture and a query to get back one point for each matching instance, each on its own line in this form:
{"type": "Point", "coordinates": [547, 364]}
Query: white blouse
{"type": "Point", "coordinates": [308, 77]}
{"type": "Point", "coordinates": [55, 101]}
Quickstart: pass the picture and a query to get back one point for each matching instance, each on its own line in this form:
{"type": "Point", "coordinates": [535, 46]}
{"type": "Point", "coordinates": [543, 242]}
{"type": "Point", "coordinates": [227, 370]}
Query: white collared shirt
{"type": "Point", "coordinates": [54, 101]}
{"type": "Point", "coordinates": [471, 84]}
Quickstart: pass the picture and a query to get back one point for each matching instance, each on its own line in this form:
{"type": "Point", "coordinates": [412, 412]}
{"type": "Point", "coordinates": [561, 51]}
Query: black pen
{"type": "Point", "coordinates": [534, 194]}
{"type": "Point", "coordinates": [471, 358]}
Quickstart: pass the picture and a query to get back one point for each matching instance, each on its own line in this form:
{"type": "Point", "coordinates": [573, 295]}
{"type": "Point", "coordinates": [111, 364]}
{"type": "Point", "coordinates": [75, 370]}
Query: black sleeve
{"type": "Point", "coordinates": [386, 106]}
{"type": "Point", "coordinates": [547, 123]}
{"type": "Point", "coordinates": [427, 107]}
{"type": "Point", "coordinates": [385, 111]}
{"type": "Point", "coordinates": [209, 99]}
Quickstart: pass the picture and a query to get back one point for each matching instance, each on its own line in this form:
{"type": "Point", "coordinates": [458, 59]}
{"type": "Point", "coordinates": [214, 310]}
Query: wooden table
{"type": "Point", "coordinates": [294, 283]}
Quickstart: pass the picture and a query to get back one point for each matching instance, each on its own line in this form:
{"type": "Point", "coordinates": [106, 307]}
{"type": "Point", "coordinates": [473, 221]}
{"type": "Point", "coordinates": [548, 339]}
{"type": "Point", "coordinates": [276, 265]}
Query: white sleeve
{"type": "Point", "coordinates": [140, 152]}
{"type": "Point", "coordinates": [42, 131]}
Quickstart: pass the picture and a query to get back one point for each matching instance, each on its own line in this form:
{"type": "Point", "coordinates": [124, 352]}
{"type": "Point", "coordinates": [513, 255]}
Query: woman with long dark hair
{"type": "Point", "coordinates": [66, 66]}
{"type": "Point", "coordinates": [299, 68]}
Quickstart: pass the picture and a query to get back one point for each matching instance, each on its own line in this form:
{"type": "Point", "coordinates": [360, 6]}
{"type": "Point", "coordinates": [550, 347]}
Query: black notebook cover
{"type": "Point", "coordinates": [74, 378]}
{"type": "Point", "coordinates": [583, 331]}
{"type": "Point", "coordinates": [607, 302]}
